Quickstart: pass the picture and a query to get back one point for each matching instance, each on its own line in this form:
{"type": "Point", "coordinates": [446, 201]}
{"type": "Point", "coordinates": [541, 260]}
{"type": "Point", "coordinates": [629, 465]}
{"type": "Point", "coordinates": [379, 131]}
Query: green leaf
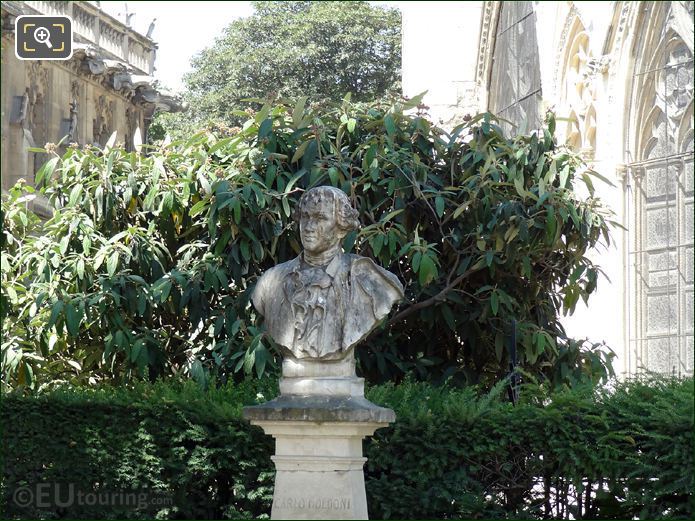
{"type": "Point", "coordinates": [236, 209]}
{"type": "Point", "coordinates": [526, 263]}
{"type": "Point", "coordinates": [112, 263]}
{"type": "Point", "coordinates": [298, 111]}
{"type": "Point", "coordinates": [263, 113]}
{"type": "Point", "coordinates": [428, 270]}
{"type": "Point", "coordinates": [296, 177]}
{"type": "Point", "coordinates": [164, 290]}
{"type": "Point", "coordinates": [12, 294]}
{"type": "Point", "coordinates": [439, 206]}
{"type": "Point", "coordinates": [414, 101]}
{"type": "Point", "coordinates": [377, 242]}
{"type": "Point", "coordinates": [449, 317]}
{"type": "Point", "coordinates": [550, 226]}
{"type": "Point", "coordinates": [519, 185]}
{"type": "Point", "coordinates": [73, 317]}
{"type": "Point", "coordinates": [499, 346]}
{"type": "Point", "coordinates": [148, 203]}
{"type": "Point", "coordinates": [460, 209]}
{"type": "Point", "coordinates": [198, 207]}
{"type": "Point", "coordinates": [389, 125]}
{"type": "Point", "coordinates": [244, 247]}
{"type": "Point", "coordinates": [564, 174]}
{"type": "Point", "coordinates": [352, 122]}
{"type": "Point", "coordinates": [75, 194]}
{"type": "Point", "coordinates": [46, 171]}
{"type": "Point", "coordinates": [168, 202]}
{"type": "Point", "coordinates": [387, 217]}
{"type": "Point", "coordinates": [494, 303]}
{"type": "Point", "coordinates": [63, 245]}
{"type": "Point", "coordinates": [417, 258]}
{"type": "Point", "coordinates": [266, 128]}
{"type": "Point", "coordinates": [142, 303]}
{"type": "Point", "coordinates": [300, 151]}
{"type": "Point", "coordinates": [56, 311]}
{"type": "Point", "coordinates": [135, 351]}
{"type": "Point", "coordinates": [599, 176]}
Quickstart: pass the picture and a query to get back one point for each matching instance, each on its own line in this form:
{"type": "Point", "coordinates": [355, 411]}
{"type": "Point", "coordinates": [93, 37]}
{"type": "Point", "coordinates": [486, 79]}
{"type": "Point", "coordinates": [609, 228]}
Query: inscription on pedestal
{"type": "Point", "coordinates": [314, 503]}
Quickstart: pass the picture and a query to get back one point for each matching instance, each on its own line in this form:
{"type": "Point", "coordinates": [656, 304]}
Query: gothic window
{"type": "Point", "coordinates": [515, 85]}
{"type": "Point", "coordinates": [660, 195]}
{"type": "Point", "coordinates": [582, 76]}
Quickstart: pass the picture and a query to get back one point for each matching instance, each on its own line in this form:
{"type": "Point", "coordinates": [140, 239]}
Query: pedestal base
{"type": "Point", "coordinates": [318, 453]}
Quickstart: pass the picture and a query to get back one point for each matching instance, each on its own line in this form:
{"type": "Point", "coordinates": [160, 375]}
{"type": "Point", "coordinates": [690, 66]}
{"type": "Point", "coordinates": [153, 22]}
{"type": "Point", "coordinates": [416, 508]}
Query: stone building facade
{"type": "Point", "coordinates": [107, 86]}
{"type": "Point", "coordinates": [621, 73]}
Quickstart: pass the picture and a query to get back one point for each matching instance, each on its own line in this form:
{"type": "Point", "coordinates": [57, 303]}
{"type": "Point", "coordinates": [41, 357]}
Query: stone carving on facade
{"type": "Point", "coordinates": [132, 119]}
{"type": "Point", "coordinates": [103, 122]}
{"type": "Point", "coordinates": [570, 22]}
{"type": "Point", "coordinates": [151, 27]}
{"type": "Point", "coordinates": [583, 79]}
{"type": "Point", "coordinates": [486, 46]}
{"type": "Point", "coordinates": [667, 91]}
{"type": "Point", "coordinates": [22, 118]}
{"type": "Point", "coordinates": [73, 130]}
{"type": "Point", "coordinates": [35, 117]}
{"type": "Point", "coordinates": [595, 68]}
{"type": "Point", "coordinates": [322, 303]}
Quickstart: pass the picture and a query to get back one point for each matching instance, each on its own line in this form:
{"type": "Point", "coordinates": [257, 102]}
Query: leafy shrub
{"type": "Point", "coordinates": [146, 266]}
{"type": "Point", "coordinates": [626, 453]}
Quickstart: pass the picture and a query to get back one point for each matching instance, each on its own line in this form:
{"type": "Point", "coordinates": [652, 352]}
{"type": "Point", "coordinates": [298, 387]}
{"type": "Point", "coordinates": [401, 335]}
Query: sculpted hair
{"type": "Point", "coordinates": [346, 215]}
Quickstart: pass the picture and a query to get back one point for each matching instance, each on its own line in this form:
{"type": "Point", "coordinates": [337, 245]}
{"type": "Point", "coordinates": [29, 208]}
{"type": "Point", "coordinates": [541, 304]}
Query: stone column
{"type": "Point", "coordinates": [318, 422]}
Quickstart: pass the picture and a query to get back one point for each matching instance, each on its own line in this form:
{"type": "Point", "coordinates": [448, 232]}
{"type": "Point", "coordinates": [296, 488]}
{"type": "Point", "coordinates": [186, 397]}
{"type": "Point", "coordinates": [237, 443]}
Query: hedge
{"type": "Point", "coordinates": [623, 452]}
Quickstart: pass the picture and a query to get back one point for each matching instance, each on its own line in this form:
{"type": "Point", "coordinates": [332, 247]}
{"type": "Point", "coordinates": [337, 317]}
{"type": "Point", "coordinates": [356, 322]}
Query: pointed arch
{"type": "Point", "coordinates": [515, 80]}
{"type": "Point", "coordinates": [578, 86]}
{"type": "Point", "coordinates": [659, 158]}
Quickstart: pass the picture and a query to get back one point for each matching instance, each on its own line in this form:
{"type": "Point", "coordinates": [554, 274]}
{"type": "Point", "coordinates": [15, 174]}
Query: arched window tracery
{"type": "Point", "coordinates": [660, 196]}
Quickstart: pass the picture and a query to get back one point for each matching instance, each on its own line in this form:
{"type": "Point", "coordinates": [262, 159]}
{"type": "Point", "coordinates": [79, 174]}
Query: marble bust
{"type": "Point", "coordinates": [320, 304]}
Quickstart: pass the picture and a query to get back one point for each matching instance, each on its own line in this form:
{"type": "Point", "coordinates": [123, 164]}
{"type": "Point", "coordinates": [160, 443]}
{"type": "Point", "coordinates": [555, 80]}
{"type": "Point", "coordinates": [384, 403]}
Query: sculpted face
{"type": "Point", "coordinates": [318, 227]}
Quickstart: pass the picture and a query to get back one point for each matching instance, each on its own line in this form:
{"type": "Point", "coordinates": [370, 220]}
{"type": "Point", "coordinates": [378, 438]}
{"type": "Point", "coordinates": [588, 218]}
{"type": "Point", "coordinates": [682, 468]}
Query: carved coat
{"type": "Point", "coordinates": [321, 313]}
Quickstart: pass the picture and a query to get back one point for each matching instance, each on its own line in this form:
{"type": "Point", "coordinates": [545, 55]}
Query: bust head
{"type": "Point", "coordinates": [325, 217]}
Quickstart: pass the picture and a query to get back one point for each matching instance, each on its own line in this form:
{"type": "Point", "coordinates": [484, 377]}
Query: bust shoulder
{"type": "Point", "coordinates": [366, 267]}
{"type": "Point", "coordinates": [268, 283]}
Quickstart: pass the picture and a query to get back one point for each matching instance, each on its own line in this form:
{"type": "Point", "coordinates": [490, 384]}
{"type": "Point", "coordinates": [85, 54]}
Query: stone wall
{"type": "Point", "coordinates": [439, 55]}
{"type": "Point", "coordinates": [103, 88]}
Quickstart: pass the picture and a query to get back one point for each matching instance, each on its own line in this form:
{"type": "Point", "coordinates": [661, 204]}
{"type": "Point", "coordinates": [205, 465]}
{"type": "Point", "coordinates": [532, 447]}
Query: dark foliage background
{"type": "Point", "coordinates": [146, 267]}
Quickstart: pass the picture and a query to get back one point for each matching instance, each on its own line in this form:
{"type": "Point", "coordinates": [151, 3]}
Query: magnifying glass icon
{"type": "Point", "coordinates": [43, 35]}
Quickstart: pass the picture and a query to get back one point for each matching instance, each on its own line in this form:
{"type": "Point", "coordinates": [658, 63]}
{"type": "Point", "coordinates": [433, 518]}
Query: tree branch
{"type": "Point", "coordinates": [439, 297]}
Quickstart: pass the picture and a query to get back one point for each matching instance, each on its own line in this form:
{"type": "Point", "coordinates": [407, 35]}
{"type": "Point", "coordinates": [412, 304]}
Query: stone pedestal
{"type": "Point", "coordinates": [318, 423]}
